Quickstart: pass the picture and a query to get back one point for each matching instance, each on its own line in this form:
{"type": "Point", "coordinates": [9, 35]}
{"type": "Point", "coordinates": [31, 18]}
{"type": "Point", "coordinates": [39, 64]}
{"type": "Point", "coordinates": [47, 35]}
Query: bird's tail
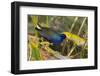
{"type": "Point", "coordinates": [38, 27]}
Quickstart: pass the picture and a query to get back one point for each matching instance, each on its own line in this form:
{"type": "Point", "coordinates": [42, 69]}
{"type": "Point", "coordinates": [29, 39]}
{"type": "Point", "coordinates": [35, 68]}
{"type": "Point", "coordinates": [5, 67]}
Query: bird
{"type": "Point", "coordinates": [50, 35]}
{"type": "Point", "coordinates": [57, 38]}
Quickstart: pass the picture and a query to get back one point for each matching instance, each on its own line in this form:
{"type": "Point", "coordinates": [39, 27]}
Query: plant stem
{"type": "Point", "coordinates": [30, 52]}
{"type": "Point", "coordinates": [64, 45]}
{"type": "Point", "coordinates": [35, 21]}
{"type": "Point", "coordinates": [81, 26]}
{"type": "Point", "coordinates": [73, 24]}
{"type": "Point", "coordinates": [47, 23]}
{"type": "Point", "coordinates": [71, 51]}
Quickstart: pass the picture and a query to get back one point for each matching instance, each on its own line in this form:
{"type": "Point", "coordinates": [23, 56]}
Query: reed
{"type": "Point", "coordinates": [47, 22]}
{"type": "Point", "coordinates": [72, 49]}
{"type": "Point", "coordinates": [35, 21]}
{"type": "Point", "coordinates": [73, 24]}
{"type": "Point", "coordinates": [81, 26]}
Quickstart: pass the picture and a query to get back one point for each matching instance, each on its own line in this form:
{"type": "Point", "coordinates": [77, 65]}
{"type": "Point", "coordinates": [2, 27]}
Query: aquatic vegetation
{"type": "Point", "coordinates": [42, 47]}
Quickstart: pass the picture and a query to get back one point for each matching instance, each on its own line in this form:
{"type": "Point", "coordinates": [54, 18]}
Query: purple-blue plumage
{"type": "Point", "coordinates": [50, 35]}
